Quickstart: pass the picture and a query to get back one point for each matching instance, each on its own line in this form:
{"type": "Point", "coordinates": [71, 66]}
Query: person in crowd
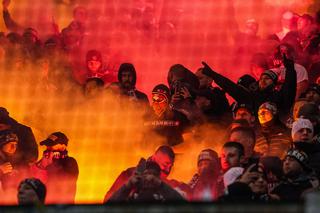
{"type": "Point", "coordinates": [27, 151]}
{"type": "Point", "coordinates": [248, 83]}
{"type": "Point", "coordinates": [211, 100]}
{"type": "Point", "coordinates": [163, 156]}
{"type": "Point", "coordinates": [30, 42]}
{"type": "Point", "coordinates": [146, 186]}
{"type": "Point", "coordinates": [246, 41]}
{"type": "Point", "coordinates": [302, 135]}
{"type": "Point", "coordinates": [312, 94]}
{"type": "Point", "coordinates": [80, 16]}
{"type": "Point", "coordinates": [93, 87]}
{"type": "Point", "coordinates": [311, 111]}
{"type": "Point", "coordinates": [293, 116]}
{"type": "Point", "coordinates": [31, 191]}
{"type": "Point", "coordinates": [203, 185]}
{"type": "Point", "coordinates": [289, 26]}
{"type": "Point", "coordinates": [273, 138]}
{"type": "Point", "coordinates": [12, 170]}
{"type": "Point", "coordinates": [57, 170]}
{"type": "Point", "coordinates": [164, 121]}
{"type": "Point", "coordinates": [249, 186]}
{"type": "Point", "coordinates": [279, 68]}
{"type": "Point", "coordinates": [302, 131]}
{"type": "Point", "coordinates": [266, 91]}
{"type": "Point", "coordinates": [298, 179]}
{"type": "Point", "coordinates": [273, 168]}
{"type": "Point", "coordinates": [71, 38]}
{"type": "Point", "coordinates": [244, 111]}
{"type": "Point", "coordinates": [9, 22]}
{"type": "Point", "coordinates": [183, 85]}
{"type": "Point", "coordinates": [246, 136]}
{"type": "Point", "coordinates": [232, 155]}
{"type": "Point", "coordinates": [127, 78]}
{"type": "Point", "coordinates": [94, 69]}
{"type": "Point", "coordinates": [304, 21]}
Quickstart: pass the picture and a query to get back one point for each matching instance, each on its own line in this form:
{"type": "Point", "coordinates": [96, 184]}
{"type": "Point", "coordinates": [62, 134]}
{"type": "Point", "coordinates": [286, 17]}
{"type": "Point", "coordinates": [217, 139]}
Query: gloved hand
{"type": "Point", "coordinates": [207, 70]}
{"type": "Point", "coordinates": [288, 63]}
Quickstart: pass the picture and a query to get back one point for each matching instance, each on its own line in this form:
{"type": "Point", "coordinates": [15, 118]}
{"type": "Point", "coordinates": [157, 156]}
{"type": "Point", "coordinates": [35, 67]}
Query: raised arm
{"type": "Point", "coordinates": [234, 90]}
{"type": "Point", "coordinates": [288, 90]}
{"type": "Point", "coordinates": [9, 22]}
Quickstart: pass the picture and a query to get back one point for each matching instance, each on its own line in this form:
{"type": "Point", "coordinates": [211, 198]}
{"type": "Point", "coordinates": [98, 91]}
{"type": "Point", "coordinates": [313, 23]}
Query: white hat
{"type": "Point", "coordinates": [301, 123]}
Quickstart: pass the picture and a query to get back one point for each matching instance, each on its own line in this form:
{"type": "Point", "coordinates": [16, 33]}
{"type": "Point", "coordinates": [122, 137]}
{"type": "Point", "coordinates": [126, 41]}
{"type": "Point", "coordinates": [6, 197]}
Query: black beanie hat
{"type": "Point", "coordinates": [248, 82]}
{"type": "Point", "coordinates": [272, 75]}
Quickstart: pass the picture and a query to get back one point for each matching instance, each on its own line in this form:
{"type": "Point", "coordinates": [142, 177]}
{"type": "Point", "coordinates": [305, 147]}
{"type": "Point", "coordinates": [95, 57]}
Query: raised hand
{"type": "Point", "coordinates": [249, 176]}
{"type": "Point", "coordinates": [288, 63]}
{"type": "Point", "coordinates": [207, 69]}
{"type": "Point", "coordinates": [5, 4]}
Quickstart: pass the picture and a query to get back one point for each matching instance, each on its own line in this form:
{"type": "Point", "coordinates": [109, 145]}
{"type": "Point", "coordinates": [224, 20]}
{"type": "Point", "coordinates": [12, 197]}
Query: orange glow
{"type": "Point", "coordinates": [105, 136]}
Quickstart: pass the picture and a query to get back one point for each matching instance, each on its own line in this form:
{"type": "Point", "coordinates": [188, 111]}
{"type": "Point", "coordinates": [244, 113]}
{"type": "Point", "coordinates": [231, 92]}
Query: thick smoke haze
{"type": "Point", "coordinates": [105, 135]}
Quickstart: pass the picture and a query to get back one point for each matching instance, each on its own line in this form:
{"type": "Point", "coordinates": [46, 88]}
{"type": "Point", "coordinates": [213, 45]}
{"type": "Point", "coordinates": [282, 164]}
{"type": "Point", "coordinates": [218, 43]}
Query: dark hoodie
{"type": "Point", "coordinates": [27, 151]}
{"type": "Point", "coordinates": [178, 77]}
{"type": "Point", "coordinates": [131, 91]}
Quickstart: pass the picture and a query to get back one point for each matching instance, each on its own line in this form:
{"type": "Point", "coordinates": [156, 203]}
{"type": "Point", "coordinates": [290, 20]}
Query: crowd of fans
{"type": "Point", "coordinates": [272, 145]}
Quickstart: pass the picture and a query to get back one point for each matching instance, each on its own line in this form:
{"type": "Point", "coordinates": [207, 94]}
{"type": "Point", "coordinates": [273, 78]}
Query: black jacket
{"type": "Point", "coordinates": [62, 180]}
{"type": "Point", "coordinates": [162, 193]}
{"type": "Point", "coordinates": [218, 110]}
{"type": "Point", "coordinates": [27, 151]}
{"type": "Point", "coordinates": [293, 190]}
{"type": "Point", "coordinates": [170, 126]}
{"type": "Point", "coordinates": [241, 192]}
{"type": "Point", "coordinates": [284, 98]}
{"type": "Point", "coordinates": [313, 152]}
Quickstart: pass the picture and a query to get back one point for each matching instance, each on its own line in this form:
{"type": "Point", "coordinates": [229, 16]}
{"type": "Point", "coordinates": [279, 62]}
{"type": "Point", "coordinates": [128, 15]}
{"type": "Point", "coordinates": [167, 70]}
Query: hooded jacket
{"type": "Point", "coordinates": [27, 151]}
{"type": "Point", "coordinates": [127, 67]}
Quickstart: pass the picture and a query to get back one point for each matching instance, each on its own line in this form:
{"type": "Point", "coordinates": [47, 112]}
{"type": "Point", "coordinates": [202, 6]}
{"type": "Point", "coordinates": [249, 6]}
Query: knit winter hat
{"type": "Point", "coordinates": [231, 175]}
{"type": "Point", "coordinates": [248, 82]}
{"type": "Point", "coordinates": [236, 106]}
{"type": "Point", "coordinates": [301, 123]}
{"type": "Point", "coordinates": [300, 156]}
{"type": "Point", "coordinates": [271, 74]}
{"type": "Point", "coordinates": [7, 136]}
{"type": "Point", "coordinates": [37, 186]}
{"type": "Point", "coordinates": [272, 107]}
{"type": "Point", "coordinates": [208, 154]}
